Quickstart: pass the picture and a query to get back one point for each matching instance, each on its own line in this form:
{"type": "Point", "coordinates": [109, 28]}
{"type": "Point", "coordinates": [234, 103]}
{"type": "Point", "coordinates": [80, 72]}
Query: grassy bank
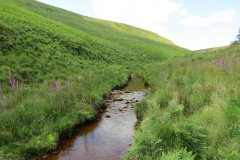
{"type": "Point", "coordinates": [193, 112]}
{"type": "Point", "coordinates": [32, 123]}
{"type": "Point", "coordinates": [57, 65]}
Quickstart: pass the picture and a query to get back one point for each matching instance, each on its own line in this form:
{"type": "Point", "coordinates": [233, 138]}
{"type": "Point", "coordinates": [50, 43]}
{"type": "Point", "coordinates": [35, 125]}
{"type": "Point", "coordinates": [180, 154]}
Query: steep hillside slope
{"type": "Point", "coordinates": [55, 68]}
{"type": "Point", "coordinates": [90, 25]}
{"type": "Point", "coordinates": [45, 33]}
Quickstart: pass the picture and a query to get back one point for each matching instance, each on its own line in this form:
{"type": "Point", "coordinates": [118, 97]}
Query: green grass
{"type": "Point", "coordinates": [32, 123]}
{"type": "Point", "coordinates": [216, 49]}
{"type": "Point", "coordinates": [194, 107]}
{"type": "Point", "coordinates": [39, 45]}
{"type": "Point", "coordinates": [52, 39]}
{"type": "Point", "coordinates": [191, 113]}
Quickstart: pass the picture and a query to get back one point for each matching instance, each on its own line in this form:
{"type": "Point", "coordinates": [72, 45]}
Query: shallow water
{"type": "Point", "coordinates": [109, 137]}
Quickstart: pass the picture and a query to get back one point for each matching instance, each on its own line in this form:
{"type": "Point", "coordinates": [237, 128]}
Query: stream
{"type": "Point", "coordinates": [109, 137]}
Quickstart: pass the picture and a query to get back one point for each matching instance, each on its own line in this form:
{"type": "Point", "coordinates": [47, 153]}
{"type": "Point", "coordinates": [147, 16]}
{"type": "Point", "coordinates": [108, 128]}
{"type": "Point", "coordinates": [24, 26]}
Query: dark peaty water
{"type": "Point", "coordinates": [109, 137]}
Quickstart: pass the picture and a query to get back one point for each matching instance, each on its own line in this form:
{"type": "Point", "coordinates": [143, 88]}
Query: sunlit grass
{"type": "Point", "coordinates": [194, 106]}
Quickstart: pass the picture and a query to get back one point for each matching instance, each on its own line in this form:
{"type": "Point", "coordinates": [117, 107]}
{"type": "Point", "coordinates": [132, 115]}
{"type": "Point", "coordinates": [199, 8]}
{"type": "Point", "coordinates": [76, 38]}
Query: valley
{"type": "Point", "coordinates": [73, 87]}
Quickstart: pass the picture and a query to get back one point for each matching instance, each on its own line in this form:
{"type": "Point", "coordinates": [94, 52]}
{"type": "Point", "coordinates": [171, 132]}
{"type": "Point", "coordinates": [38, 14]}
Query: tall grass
{"type": "Point", "coordinates": [33, 122]}
{"type": "Point", "coordinates": [193, 110]}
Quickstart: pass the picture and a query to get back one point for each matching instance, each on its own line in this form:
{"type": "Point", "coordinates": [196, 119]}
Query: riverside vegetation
{"type": "Point", "coordinates": [56, 67]}
{"type": "Point", "coordinates": [60, 65]}
{"type": "Point", "coordinates": [193, 111]}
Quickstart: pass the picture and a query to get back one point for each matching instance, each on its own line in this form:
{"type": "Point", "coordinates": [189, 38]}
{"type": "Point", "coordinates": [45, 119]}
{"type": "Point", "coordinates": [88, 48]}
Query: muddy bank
{"type": "Point", "coordinates": [109, 137]}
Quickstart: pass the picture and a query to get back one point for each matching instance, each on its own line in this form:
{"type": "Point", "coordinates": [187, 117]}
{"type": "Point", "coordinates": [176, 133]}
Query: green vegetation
{"type": "Point", "coordinates": [215, 49]}
{"type": "Point", "coordinates": [193, 110]}
{"type": "Point", "coordinates": [40, 42]}
{"type": "Point", "coordinates": [61, 65]}
{"type": "Point", "coordinates": [32, 122]}
{"type": "Point", "coordinates": [237, 41]}
{"type": "Point", "coordinates": [56, 67]}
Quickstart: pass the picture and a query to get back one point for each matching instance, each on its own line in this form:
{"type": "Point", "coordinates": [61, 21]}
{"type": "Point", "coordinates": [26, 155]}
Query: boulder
{"type": "Point", "coordinates": [107, 116]}
{"type": "Point", "coordinates": [118, 99]}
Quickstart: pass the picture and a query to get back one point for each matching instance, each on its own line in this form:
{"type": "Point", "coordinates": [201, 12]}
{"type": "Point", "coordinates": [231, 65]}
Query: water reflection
{"type": "Point", "coordinates": [109, 137]}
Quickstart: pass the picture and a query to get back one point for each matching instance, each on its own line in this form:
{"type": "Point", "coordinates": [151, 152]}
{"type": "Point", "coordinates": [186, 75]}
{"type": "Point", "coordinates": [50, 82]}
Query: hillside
{"type": "Point", "coordinates": [207, 50]}
{"type": "Point", "coordinates": [56, 67]}
{"type": "Point", "coordinates": [45, 33]}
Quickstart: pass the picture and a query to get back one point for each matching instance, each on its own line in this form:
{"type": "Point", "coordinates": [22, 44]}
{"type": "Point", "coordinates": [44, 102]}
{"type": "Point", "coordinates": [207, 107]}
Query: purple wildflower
{"type": "Point", "coordinates": [222, 63]}
{"type": "Point", "coordinates": [11, 80]}
{"type": "Point", "coordinates": [13, 84]}
{"type": "Point", "coordinates": [58, 85]}
{"type": "Point", "coordinates": [10, 77]}
{"type": "Point", "coordinates": [0, 85]}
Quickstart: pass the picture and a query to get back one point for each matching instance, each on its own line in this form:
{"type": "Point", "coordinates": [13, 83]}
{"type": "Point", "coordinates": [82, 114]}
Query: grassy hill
{"type": "Point", "coordinates": [30, 28]}
{"type": "Point", "coordinates": [56, 66]}
{"type": "Point", "coordinates": [216, 49]}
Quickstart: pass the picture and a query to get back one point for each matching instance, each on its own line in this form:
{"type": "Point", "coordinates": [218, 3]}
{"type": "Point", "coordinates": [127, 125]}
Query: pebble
{"type": "Point", "coordinates": [107, 116]}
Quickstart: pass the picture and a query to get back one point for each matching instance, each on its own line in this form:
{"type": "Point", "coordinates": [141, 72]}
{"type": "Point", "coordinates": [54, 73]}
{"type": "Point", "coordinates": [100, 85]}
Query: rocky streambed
{"type": "Point", "coordinates": [121, 102]}
{"type": "Point", "coordinates": [109, 137]}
